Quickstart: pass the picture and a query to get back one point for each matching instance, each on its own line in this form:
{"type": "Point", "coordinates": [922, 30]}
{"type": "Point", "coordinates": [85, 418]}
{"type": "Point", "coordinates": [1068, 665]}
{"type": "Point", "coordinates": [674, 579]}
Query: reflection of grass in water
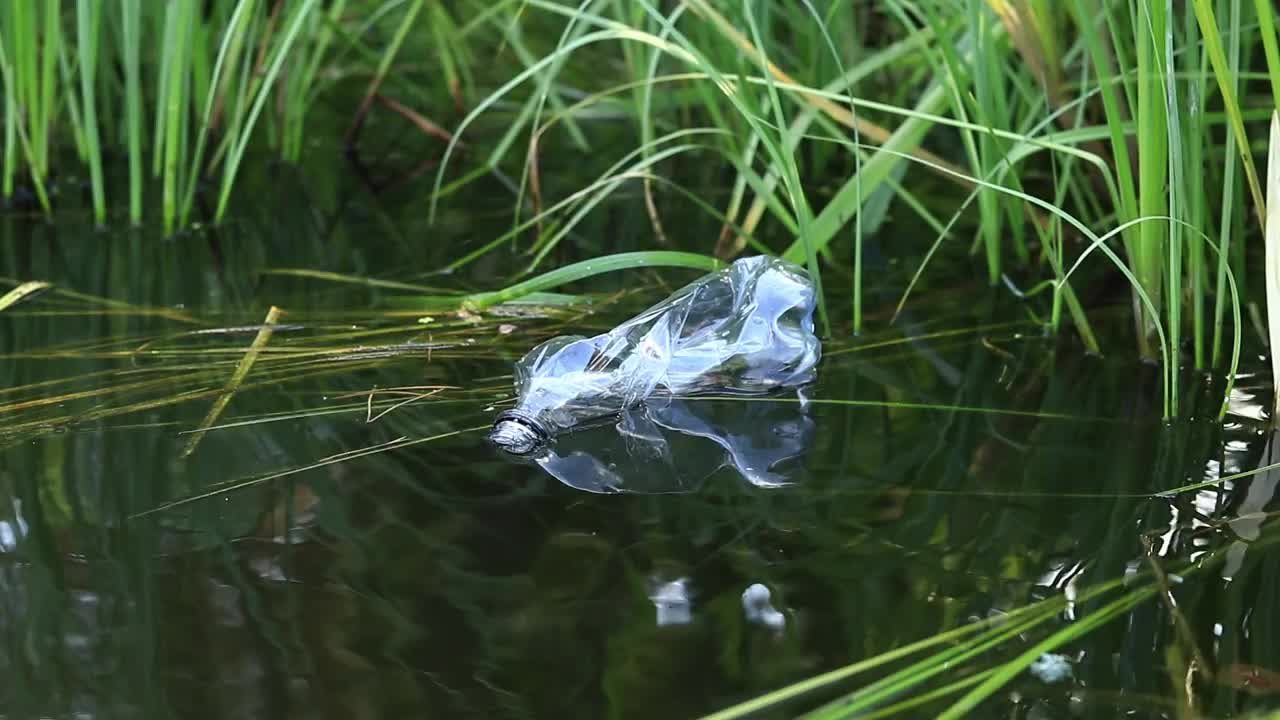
{"type": "Point", "coordinates": [990, 654]}
{"type": "Point", "coordinates": [954, 672]}
{"type": "Point", "coordinates": [179, 369]}
{"type": "Point", "coordinates": [347, 456]}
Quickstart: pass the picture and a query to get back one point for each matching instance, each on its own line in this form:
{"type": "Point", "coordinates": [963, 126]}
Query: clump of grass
{"type": "Point", "coordinates": [1031, 134]}
{"type": "Point", "coordinates": [215, 79]}
{"type": "Point", "coordinates": [1014, 86]}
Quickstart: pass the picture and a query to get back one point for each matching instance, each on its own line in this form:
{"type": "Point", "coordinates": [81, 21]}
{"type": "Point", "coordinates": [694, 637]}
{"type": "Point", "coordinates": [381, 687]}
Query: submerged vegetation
{"type": "Point", "coordinates": [1094, 167]}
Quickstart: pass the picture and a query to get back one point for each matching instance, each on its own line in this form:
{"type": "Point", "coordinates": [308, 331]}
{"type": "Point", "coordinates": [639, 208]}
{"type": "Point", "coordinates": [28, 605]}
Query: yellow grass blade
{"type": "Point", "coordinates": [22, 292]}
{"type": "Point", "coordinates": [242, 370]}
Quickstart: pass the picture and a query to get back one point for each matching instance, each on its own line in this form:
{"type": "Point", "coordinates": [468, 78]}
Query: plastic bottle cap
{"type": "Point", "coordinates": [516, 434]}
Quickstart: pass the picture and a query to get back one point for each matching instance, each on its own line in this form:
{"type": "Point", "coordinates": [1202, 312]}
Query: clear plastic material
{"type": "Point", "coordinates": [745, 329]}
{"type": "Point", "coordinates": [670, 445]}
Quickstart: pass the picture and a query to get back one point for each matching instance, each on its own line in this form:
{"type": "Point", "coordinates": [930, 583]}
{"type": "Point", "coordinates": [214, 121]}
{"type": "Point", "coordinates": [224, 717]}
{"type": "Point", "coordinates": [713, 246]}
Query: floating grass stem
{"type": "Point", "coordinates": [237, 378]}
{"type": "Point", "coordinates": [25, 291]}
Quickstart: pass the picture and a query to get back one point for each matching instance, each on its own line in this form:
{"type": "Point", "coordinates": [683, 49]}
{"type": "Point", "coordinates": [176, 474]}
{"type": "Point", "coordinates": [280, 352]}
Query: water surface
{"type": "Point", "coordinates": [343, 542]}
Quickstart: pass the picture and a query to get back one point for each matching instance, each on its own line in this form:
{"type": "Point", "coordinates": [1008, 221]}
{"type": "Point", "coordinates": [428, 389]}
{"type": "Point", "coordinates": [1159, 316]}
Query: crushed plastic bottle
{"type": "Point", "coordinates": [746, 329]}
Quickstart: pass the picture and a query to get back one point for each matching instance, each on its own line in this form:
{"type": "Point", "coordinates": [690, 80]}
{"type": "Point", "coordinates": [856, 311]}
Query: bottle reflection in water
{"type": "Point", "coordinates": [758, 609]}
{"type": "Point", "coordinates": [669, 445]}
{"type": "Point", "coordinates": [673, 603]}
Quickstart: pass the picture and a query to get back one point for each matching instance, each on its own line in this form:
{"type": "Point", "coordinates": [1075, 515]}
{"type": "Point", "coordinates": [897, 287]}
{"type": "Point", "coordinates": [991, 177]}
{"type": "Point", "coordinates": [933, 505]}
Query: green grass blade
{"type": "Point", "coordinates": [131, 33]}
{"type": "Point", "coordinates": [1008, 671]}
{"type": "Point", "coordinates": [230, 52]}
{"type": "Point", "coordinates": [791, 178]}
{"type": "Point", "coordinates": [175, 107]}
{"type": "Point", "coordinates": [52, 40]}
{"type": "Point", "coordinates": [88, 22]}
{"type": "Point", "coordinates": [588, 268]}
{"type": "Point", "coordinates": [1229, 203]}
{"type": "Point", "coordinates": [846, 201]}
{"type": "Point", "coordinates": [1153, 147]}
{"type": "Point", "coordinates": [1174, 203]}
{"type": "Point", "coordinates": [14, 126]}
{"type": "Point", "coordinates": [392, 49]}
{"type": "Point", "coordinates": [1265, 11]}
{"type": "Point", "coordinates": [1226, 85]}
{"type": "Point", "coordinates": [826, 680]}
{"type": "Point", "coordinates": [1272, 254]}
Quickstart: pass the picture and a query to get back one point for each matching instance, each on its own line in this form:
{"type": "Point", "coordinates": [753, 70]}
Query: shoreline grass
{"type": "Point", "coordinates": [1112, 120]}
{"type": "Point", "coordinates": [1046, 133]}
{"type": "Point", "coordinates": [1150, 79]}
{"type": "Point", "coordinates": [1117, 120]}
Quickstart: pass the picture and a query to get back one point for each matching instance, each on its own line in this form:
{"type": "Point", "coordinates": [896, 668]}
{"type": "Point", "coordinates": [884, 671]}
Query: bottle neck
{"type": "Point", "coordinates": [518, 433]}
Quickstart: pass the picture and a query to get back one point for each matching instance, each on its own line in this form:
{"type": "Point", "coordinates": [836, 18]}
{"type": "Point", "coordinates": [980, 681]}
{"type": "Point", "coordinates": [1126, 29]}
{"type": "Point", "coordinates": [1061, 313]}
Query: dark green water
{"type": "Point", "coordinates": [374, 557]}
